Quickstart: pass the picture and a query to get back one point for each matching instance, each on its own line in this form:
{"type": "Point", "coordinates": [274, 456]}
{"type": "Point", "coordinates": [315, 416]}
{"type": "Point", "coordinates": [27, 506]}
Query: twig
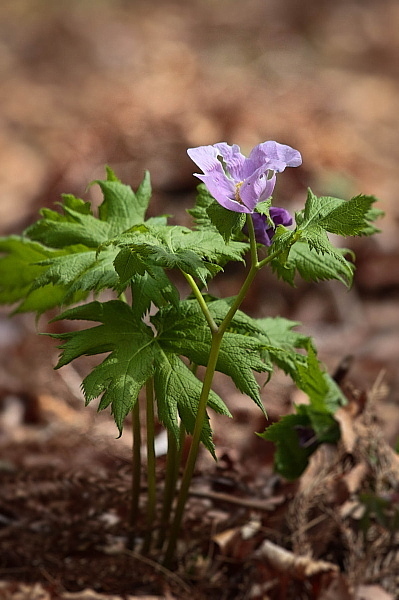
{"type": "Point", "coordinates": [266, 505]}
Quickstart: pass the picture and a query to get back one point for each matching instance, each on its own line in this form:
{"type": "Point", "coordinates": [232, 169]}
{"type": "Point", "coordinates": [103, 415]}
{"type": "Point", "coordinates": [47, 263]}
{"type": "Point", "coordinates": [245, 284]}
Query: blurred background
{"type": "Point", "coordinates": [132, 84]}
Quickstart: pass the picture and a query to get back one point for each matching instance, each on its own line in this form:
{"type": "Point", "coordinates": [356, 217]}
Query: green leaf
{"type": "Point", "coordinates": [47, 297]}
{"type": "Point", "coordinates": [177, 392]}
{"type": "Point", "coordinates": [314, 266]}
{"type": "Point", "coordinates": [308, 250]}
{"type": "Point", "coordinates": [346, 218]}
{"type": "Point", "coordinates": [198, 253]}
{"type": "Point", "coordinates": [135, 355]}
{"type": "Point", "coordinates": [122, 208]}
{"type": "Point", "coordinates": [80, 270]}
{"type": "Point", "coordinates": [73, 227]}
{"type": "Point", "coordinates": [341, 217]}
{"type": "Point", "coordinates": [154, 287]}
{"type": "Point", "coordinates": [291, 457]}
{"type": "Point", "coordinates": [127, 264]}
{"type": "Point", "coordinates": [292, 352]}
{"type": "Point", "coordinates": [185, 331]}
{"type": "Point", "coordinates": [282, 345]}
{"type": "Point", "coordinates": [71, 253]}
{"type": "Point", "coordinates": [122, 374]}
{"type": "Point", "coordinates": [324, 393]}
{"type": "Point", "coordinates": [210, 215]}
{"type": "Point", "coordinates": [227, 222]}
{"type": "Point", "coordinates": [326, 428]}
{"type": "Point", "coordinates": [297, 436]}
{"type": "Point", "coordinates": [20, 267]}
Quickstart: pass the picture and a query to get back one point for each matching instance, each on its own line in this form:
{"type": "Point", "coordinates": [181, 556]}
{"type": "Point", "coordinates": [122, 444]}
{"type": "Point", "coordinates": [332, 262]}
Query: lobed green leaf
{"type": "Point", "coordinates": [178, 391]}
{"type": "Point", "coordinates": [120, 377]}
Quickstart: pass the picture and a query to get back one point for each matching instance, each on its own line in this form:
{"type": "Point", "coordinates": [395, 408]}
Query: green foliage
{"type": "Point", "coordinates": [297, 436]}
{"type": "Point", "coordinates": [308, 250]}
{"type": "Point", "coordinates": [135, 355]}
{"type": "Point", "coordinates": [63, 256]}
{"type": "Point", "coordinates": [211, 216]}
{"type": "Point", "coordinates": [120, 377]}
{"type": "Point", "coordinates": [185, 331]}
{"type": "Point", "coordinates": [66, 255]}
{"type": "Point", "coordinates": [177, 391]}
{"type": "Point", "coordinates": [150, 339]}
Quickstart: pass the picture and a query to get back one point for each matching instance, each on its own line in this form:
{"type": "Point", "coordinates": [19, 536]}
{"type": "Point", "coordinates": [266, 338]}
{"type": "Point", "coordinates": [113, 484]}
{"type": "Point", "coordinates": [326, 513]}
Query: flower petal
{"type": "Point", "coordinates": [256, 188]}
{"type": "Point", "coordinates": [223, 190]}
{"type": "Point", "coordinates": [233, 160]}
{"type": "Point", "coordinates": [274, 156]}
{"type": "Point", "coordinates": [280, 216]}
{"type": "Point", "coordinates": [206, 158]}
{"type": "Point", "coordinates": [221, 187]}
{"type": "Point", "coordinates": [263, 231]}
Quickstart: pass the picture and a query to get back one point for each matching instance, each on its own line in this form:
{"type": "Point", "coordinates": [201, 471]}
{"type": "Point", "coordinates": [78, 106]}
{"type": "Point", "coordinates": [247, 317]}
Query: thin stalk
{"type": "Point", "coordinates": [193, 453]}
{"type": "Point", "coordinates": [136, 472]}
{"type": "Point", "coordinates": [217, 337]}
{"type": "Point", "coordinates": [199, 297]}
{"type": "Point", "coordinates": [151, 477]}
{"type": "Point", "coordinates": [171, 475]}
{"type": "Point", "coordinates": [136, 464]}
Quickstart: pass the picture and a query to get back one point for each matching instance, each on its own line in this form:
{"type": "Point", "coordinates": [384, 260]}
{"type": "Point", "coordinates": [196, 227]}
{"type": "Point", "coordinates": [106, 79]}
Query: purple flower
{"type": "Point", "coordinates": [264, 231]}
{"type": "Point", "coordinates": [239, 183]}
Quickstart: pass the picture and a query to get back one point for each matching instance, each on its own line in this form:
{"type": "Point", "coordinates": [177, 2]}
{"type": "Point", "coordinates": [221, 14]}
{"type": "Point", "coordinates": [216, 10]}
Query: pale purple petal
{"type": "Point", "coordinates": [256, 188]}
{"type": "Point", "coordinates": [233, 160]}
{"type": "Point", "coordinates": [274, 156]}
{"type": "Point", "coordinates": [223, 190]}
{"type": "Point", "coordinates": [240, 183]}
{"type": "Point", "coordinates": [206, 158]}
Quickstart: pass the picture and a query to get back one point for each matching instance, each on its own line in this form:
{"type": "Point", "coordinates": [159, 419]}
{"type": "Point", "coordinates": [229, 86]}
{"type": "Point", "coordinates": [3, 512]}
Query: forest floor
{"type": "Point", "coordinates": [133, 85]}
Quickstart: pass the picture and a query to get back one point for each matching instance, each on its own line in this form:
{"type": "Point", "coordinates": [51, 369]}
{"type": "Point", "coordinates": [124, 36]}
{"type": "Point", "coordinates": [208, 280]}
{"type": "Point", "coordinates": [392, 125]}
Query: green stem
{"type": "Point", "coordinates": [217, 337]}
{"type": "Point", "coordinates": [252, 241]}
{"type": "Point", "coordinates": [151, 476]}
{"type": "Point", "coordinates": [199, 297]}
{"type": "Point", "coordinates": [171, 475]}
{"type": "Point", "coordinates": [136, 472]}
{"type": "Point", "coordinates": [136, 464]}
{"type": "Point", "coordinates": [193, 453]}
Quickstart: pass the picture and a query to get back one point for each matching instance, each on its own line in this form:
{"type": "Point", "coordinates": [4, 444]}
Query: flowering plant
{"type": "Point", "coordinates": [242, 184]}
{"type": "Point", "coordinates": [66, 256]}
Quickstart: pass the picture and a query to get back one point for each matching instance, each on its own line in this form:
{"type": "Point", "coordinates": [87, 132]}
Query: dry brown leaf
{"type": "Point", "coordinates": [298, 567]}
{"type": "Point", "coordinates": [337, 588]}
{"type": "Point", "coordinates": [372, 592]}
{"type": "Point", "coordinates": [88, 594]}
{"type": "Point", "coordinates": [22, 591]}
{"type": "Point", "coordinates": [355, 477]}
{"type": "Point", "coordinates": [239, 541]}
{"type": "Point", "coordinates": [348, 433]}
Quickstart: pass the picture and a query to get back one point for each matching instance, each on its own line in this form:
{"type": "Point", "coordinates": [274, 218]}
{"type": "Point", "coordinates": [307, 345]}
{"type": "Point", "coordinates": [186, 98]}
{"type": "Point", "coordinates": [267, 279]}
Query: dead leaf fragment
{"type": "Point", "coordinates": [299, 567]}
{"type": "Point", "coordinates": [372, 592]}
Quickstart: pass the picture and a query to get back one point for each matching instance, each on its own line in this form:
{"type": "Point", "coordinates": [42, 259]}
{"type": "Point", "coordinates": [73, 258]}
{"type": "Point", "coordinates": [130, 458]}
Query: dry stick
{"type": "Point", "coordinates": [262, 505]}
